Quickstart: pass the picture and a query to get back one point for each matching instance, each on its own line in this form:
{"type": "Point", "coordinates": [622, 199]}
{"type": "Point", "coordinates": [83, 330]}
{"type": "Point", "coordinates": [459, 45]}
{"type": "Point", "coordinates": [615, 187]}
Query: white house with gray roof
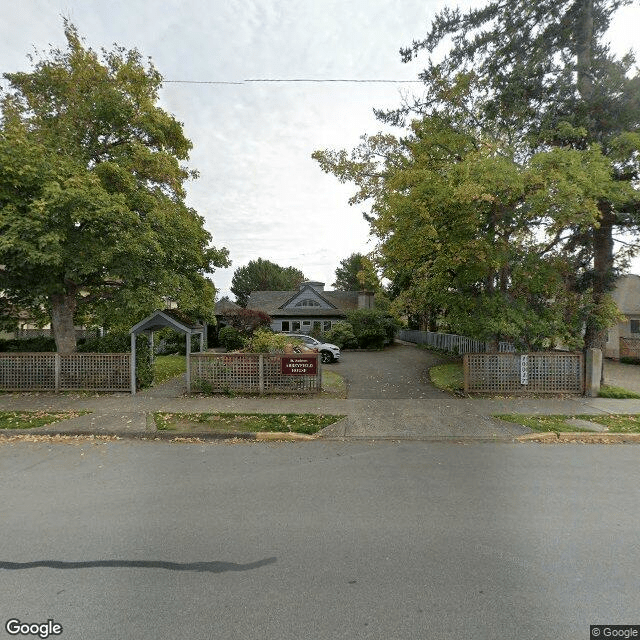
{"type": "Point", "coordinates": [308, 307]}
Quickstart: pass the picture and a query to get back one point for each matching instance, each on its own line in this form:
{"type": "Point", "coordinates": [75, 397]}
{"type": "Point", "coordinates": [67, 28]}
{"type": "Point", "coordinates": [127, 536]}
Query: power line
{"type": "Point", "coordinates": [315, 80]}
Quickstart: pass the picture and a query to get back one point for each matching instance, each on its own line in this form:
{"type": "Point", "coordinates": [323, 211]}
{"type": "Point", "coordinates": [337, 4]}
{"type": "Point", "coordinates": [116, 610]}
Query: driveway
{"type": "Point", "coordinates": [401, 371]}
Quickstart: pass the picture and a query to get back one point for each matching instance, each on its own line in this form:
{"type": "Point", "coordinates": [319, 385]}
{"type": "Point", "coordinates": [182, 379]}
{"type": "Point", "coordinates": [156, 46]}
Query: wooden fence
{"type": "Point", "coordinates": [445, 341]}
{"type": "Point", "coordinates": [538, 372]}
{"type": "Point", "coordinates": [74, 372]}
{"type": "Point", "coordinates": [630, 348]}
{"type": "Point", "coordinates": [256, 372]}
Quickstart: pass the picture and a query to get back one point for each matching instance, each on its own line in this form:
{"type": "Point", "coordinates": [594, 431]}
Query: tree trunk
{"type": "Point", "coordinates": [595, 334]}
{"type": "Point", "coordinates": [584, 50]}
{"type": "Point", "coordinates": [63, 309]}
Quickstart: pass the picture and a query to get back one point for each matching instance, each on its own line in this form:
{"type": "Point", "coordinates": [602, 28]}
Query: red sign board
{"type": "Point", "coordinates": [299, 365]}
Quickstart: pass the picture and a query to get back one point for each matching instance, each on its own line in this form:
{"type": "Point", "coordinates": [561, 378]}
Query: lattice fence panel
{"type": "Point", "coordinates": [524, 373]}
{"type": "Point", "coordinates": [248, 373]}
{"type": "Point", "coordinates": [95, 371]}
{"type": "Point", "coordinates": [276, 382]}
{"type": "Point", "coordinates": [221, 372]}
{"type": "Point", "coordinates": [630, 348]}
{"type": "Point", "coordinates": [27, 371]}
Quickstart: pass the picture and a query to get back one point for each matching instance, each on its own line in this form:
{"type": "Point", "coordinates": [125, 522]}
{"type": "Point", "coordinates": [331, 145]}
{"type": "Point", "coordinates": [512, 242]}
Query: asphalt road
{"type": "Point", "coordinates": [399, 372]}
{"type": "Point", "coordinates": [145, 540]}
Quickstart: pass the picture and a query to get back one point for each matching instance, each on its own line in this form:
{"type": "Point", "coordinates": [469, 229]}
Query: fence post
{"type": "Point", "coordinates": [465, 369]}
{"type": "Point", "coordinates": [57, 369]}
{"type": "Point", "coordinates": [261, 373]}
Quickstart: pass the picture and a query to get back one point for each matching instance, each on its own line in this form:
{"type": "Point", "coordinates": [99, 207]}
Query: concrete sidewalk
{"type": "Point", "coordinates": [451, 418]}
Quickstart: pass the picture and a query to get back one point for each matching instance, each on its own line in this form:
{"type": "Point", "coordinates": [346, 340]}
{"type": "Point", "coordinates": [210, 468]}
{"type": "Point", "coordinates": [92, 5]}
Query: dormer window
{"type": "Point", "coordinates": [307, 302]}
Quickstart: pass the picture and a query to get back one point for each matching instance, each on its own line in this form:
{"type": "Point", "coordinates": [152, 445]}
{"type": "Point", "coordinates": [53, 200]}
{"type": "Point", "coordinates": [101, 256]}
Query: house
{"type": "Point", "coordinates": [627, 296]}
{"type": "Point", "coordinates": [309, 307]}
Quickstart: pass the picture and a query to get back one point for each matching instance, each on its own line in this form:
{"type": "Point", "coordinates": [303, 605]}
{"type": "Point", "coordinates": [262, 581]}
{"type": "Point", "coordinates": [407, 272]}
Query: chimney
{"type": "Point", "coordinates": [365, 300]}
{"type": "Point", "coordinates": [318, 286]}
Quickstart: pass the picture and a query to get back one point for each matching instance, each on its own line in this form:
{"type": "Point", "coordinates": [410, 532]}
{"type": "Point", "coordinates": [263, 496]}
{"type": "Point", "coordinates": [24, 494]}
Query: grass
{"type": "Point", "coordinates": [167, 367]}
{"type": "Point", "coordinates": [33, 419]}
{"type": "Point", "coordinates": [333, 384]}
{"type": "Point", "coordinates": [616, 423]}
{"type": "Point", "coordinates": [240, 422]}
{"type": "Point", "coordinates": [448, 377]}
{"type": "Point", "coordinates": [609, 391]}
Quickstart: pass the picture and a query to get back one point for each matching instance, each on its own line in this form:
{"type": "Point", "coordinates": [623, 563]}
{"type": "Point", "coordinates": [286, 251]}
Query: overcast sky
{"type": "Point", "coordinates": [259, 190]}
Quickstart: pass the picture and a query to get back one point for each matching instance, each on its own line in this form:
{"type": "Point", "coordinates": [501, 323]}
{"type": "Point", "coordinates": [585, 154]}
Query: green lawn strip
{"type": "Point", "coordinates": [307, 423]}
{"type": "Point", "coordinates": [33, 419]}
{"type": "Point", "coordinates": [333, 384]}
{"type": "Point", "coordinates": [609, 391]}
{"type": "Point", "coordinates": [167, 367]}
{"type": "Point", "coordinates": [448, 377]}
{"type": "Point", "coordinates": [617, 423]}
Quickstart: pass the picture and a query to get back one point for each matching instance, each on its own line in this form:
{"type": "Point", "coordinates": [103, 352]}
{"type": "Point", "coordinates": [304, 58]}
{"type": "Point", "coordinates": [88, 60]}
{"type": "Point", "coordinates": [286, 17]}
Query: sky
{"type": "Point", "coordinates": [259, 191]}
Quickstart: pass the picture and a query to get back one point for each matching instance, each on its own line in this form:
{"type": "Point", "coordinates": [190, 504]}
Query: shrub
{"type": "Point", "coordinates": [629, 360]}
{"type": "Point", "coordinates": [372, 328]}
{"type": "Point", "coordinates": [120, 342]}
{"type": "Point", "coordinates": [37, 344]}
{"type": "Point", "coordinates": [341, 334]}
{"type": "Point", "coordinates": [230, 338]}
{"type": "Point", "coordinates": [169, 341]}
{"type": "Point", "coordinates": [264, 341]}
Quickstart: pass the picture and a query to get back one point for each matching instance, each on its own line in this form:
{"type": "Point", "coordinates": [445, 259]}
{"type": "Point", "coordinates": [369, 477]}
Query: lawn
{"type": "Point", "coordinates": [167, 367]}
{"type": "Point", "coordinates": [33, 419]}
{"type": "Point", "coordinates": [448, 377]}
{"type": "Point", "coordinates": [241, 422]}
{"type": "Point", "coordinates": [616, 423]}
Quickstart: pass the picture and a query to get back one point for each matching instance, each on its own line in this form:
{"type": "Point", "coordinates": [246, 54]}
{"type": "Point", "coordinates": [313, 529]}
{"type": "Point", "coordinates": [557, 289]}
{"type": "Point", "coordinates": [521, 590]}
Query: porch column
{"type": "Point", "coordinates": [188, 338]}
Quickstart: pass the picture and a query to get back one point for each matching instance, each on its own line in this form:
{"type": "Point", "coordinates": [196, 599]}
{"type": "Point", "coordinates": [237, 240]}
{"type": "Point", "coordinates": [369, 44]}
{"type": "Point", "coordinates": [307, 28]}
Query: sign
{"type": "Point", "coordinates": [524, 370]}
{"type": "Point", "coordinates": [299, 365]}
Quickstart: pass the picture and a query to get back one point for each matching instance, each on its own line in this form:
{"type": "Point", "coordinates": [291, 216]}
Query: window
{"type": "Point", "coordinates": [307, 302]}
{"type": "Point", "coordinates": [285, 325]}
{"type": "Point", "coordinates": [295, 325]}
{"type": "Point", "coordinates": [306, 323]}
{"type": "Point", "coordinates": [327, 325]}
{"type": "Point", "coordinates": [635, 326]}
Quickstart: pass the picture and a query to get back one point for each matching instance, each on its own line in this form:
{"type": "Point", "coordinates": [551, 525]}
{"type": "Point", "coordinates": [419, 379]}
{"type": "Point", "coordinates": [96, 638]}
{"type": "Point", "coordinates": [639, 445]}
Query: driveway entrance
{"type": "Point", "coordinates": [400, 371]}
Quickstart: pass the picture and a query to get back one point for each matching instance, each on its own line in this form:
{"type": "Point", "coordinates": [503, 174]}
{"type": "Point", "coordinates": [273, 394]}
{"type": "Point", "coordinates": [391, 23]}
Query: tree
{"type": "Point", "coordinates": [356, 273]}
{"type": "Point", "coordinates": [543, 75]}
{"type": "Point", "coordinates": [263, 275]}
{"type": "Point", "coordinates": [92, 215]}
{"type": "Point", "coordinates": [474, 232]}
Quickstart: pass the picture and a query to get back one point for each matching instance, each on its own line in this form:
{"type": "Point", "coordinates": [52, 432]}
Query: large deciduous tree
{"type": "Point", "coordinates": [263, 275]}
{"type": "Point", "coordinates": [356, 272]}
{"type": "Point", "coordinates": [544, 76]}
{"type": "Point", "coordinates": [93, 220]}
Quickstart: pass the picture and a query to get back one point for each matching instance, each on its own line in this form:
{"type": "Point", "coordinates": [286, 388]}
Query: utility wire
{"type": "Point", "coordinates": [316, 80]}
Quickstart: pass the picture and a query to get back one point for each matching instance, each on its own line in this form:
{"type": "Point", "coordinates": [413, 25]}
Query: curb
{"type": "Point", "coordinates": [585, 438]}
{"type": "Point", "coordinates": [262, 436]}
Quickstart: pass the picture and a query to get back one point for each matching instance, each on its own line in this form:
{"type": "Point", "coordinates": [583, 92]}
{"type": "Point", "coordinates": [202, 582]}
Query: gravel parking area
{"type": "Point", "coordinates": [400, 371]}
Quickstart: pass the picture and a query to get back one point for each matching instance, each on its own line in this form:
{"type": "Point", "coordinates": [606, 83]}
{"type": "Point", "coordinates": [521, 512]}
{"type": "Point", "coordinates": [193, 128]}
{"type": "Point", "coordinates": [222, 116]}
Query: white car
{"type": "Point", "coordinates": [328, 352]}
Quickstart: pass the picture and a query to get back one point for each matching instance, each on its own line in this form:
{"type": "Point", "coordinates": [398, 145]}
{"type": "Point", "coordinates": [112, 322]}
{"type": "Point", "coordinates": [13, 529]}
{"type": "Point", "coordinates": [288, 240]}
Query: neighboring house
{"type": "Point", "coordinates": [308, 307]}
{"type": "Point", "coordinates": [627, 296]}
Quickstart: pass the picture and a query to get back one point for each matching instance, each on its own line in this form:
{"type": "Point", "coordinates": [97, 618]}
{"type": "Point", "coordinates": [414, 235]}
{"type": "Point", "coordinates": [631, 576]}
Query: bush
{"type": "Point", "coordinates": [37, 344]}
{"type": "Point", "coordinates": [120, 342]}
{"type": "Point", "coordinates": [265, 341]}
{"type": "Point", "coordinates": [629, 360]}
{"type": "Point", "coordinates": [230, 338]}
{"type": "Point", "coordinates": [341, 334]}
{"type": "Point", "coordinates": [169, 341]}
{"type": "Point", "coordinates": [372, 328]}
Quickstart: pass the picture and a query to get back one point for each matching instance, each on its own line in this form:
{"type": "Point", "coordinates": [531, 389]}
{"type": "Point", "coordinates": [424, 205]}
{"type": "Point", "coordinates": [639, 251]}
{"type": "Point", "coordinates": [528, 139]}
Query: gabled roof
{"type": "Point", "coordinates": [272, 302]}
{"type": "Point", "coordinates": [173, 318]}
{"type": "Point", "coordinates": [225, 307]}
{"type": "Point", "coordinates": [308, 288]}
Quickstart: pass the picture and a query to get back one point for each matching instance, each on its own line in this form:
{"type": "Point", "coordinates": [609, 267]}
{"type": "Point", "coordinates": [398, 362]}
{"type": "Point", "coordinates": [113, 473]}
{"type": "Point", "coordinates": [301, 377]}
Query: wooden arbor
{"type": "Point", "coordinates": [173, 319]}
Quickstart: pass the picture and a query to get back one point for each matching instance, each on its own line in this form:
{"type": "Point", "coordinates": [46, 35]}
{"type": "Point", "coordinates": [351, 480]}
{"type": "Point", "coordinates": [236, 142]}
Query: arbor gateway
{"type": "Point", "coordinates": [93, 223]}
{"type": "Point", "coordinates": [499, 210]}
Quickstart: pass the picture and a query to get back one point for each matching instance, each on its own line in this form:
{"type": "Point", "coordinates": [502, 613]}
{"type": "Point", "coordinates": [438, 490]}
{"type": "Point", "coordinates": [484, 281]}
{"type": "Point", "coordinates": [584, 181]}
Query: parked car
{"type": "Point", "coordinates": [328, 352]}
